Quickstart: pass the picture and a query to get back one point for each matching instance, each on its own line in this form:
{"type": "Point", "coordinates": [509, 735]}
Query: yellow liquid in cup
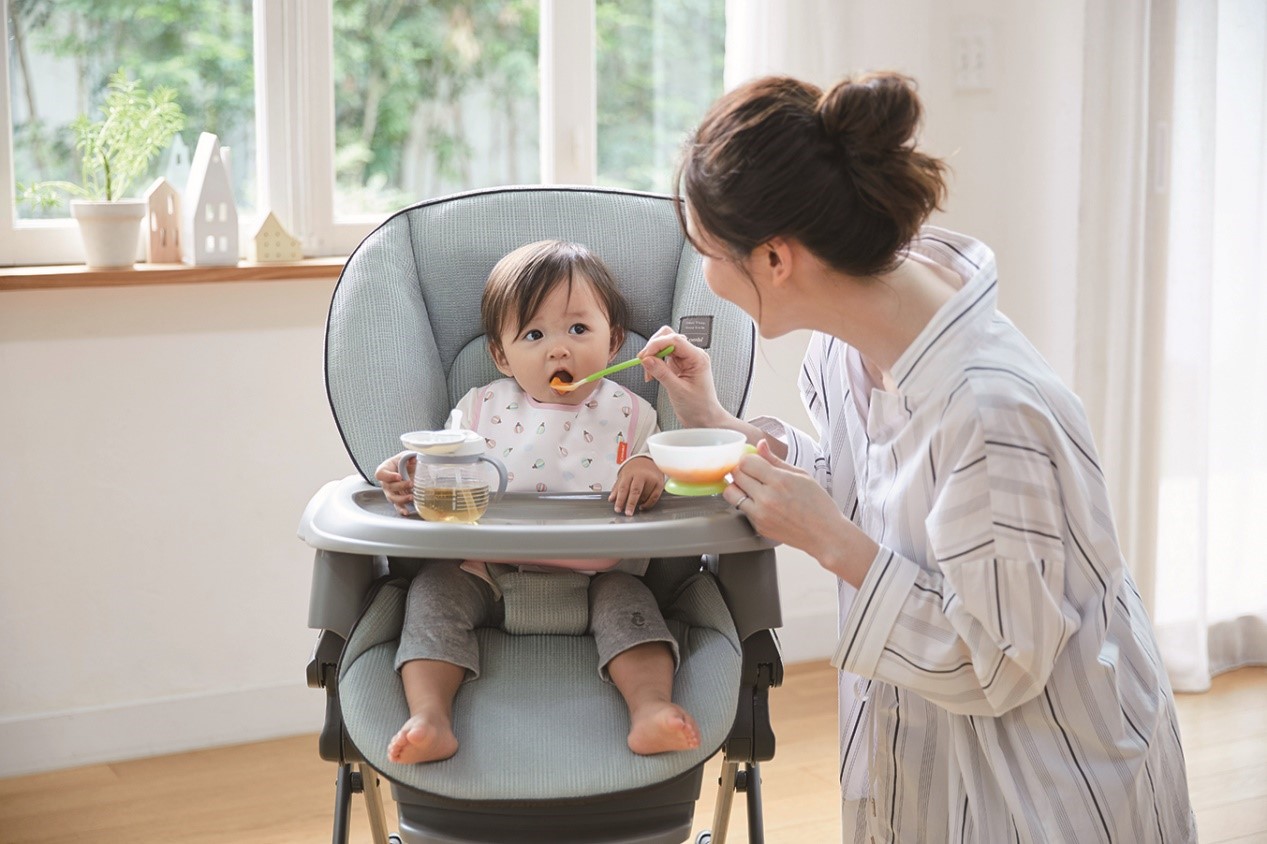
{"type": "Point", "coordinates": [463, 504]}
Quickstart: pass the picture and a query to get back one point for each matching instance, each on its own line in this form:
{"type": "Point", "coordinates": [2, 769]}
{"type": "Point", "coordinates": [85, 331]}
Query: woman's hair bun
{"type": "Point", "coordinates": [874, 114]}
{"type": "Point", "coordinates": [839, 171]}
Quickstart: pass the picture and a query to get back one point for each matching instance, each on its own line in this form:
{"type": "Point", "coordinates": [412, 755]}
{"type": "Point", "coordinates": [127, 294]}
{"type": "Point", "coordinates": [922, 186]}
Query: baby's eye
{"type": "Point", "coordinates": [579, 328]}
{"type": "Point", "coordinates": [533, 334]}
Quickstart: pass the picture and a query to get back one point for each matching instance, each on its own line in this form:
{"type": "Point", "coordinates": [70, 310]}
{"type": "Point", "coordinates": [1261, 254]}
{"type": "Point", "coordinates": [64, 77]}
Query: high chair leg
{"type": "Point", "coordinates": [374, 804]}
{"type": "Point", "coordinates": [725, 796]}
{"type": "Point", "coordinates": [730, 781]}
{"type": "Point", "coordinates": [363, 779]}
{"type": "Point", "coordinates": [756, 824]}
{"type": "Point", "coordinates": [342, 804]}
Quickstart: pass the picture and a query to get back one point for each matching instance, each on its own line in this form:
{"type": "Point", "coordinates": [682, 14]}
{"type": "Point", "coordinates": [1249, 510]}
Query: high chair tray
{"type": "Point", "coordinates": [353, 517]}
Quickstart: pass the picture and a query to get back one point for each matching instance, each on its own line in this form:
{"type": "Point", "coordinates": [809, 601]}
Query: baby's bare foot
{"type": "Point", "coordinates": [422, 739]}
{"type": "Point", "coordinates": [661, 727]}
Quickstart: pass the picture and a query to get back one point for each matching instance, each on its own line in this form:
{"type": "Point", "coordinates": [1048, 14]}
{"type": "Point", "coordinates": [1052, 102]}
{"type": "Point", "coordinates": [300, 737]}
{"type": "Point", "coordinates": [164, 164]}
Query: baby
{"type": "Point", "coordinates": [550, 310]}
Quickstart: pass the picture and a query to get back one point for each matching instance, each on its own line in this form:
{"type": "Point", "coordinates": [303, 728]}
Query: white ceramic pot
{"type": "Point", "coordinates": [111, 231]}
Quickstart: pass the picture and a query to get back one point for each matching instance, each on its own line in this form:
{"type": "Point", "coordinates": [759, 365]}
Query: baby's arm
{"type": "Point", "coordinates": [638, 485]}
{"type": "Point", "coordinates": [399, 491]}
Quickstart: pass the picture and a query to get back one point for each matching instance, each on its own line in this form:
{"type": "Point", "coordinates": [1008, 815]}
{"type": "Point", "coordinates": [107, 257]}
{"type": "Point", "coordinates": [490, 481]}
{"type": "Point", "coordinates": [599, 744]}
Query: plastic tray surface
{"type": "Point", "coordinates": [354, 517]}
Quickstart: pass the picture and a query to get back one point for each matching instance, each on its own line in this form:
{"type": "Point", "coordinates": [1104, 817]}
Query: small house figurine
{"type": "Point", "coordinates": [162, 223]}
{"type": "Point", "coordinates": [176, 166]}
{"type": "Point", "coordinates": [273, 243]}
{"type": "Point", "coordinates": [210, 217]}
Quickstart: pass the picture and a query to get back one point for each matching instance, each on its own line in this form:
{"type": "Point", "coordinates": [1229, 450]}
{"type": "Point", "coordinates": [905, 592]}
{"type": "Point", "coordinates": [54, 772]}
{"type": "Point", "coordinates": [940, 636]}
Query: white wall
{"type": "Point", "coordinates": [160, 443]}
{"type": "Point", "coordinates": [1014, 152]}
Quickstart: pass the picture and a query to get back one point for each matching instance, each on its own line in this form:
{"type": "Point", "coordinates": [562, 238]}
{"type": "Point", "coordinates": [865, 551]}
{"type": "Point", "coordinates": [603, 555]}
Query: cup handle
{"type": "Point", "coordinates": [403, 466]}
{"type": "Point", "coordinates": [501, 472]}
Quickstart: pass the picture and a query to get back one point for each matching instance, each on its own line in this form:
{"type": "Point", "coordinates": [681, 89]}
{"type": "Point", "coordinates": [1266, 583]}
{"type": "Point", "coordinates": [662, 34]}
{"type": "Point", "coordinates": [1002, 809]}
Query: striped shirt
{"type": "Point", "coordinates": [999, 676]}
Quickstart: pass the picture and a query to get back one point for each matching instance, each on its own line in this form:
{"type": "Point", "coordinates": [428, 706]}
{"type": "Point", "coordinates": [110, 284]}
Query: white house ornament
{"type": "Point", "coordinates": [209, 215]}
{"type": "Point", "coordinates": [176, 168]}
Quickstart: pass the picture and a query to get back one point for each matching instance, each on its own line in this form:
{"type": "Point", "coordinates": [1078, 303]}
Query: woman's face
{"type": "Point", "coordinates": [725, 276]}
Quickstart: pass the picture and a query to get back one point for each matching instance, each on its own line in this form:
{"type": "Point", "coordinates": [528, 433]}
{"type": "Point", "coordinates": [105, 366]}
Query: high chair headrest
{"type": "Point", "coordinates": [404, 340]}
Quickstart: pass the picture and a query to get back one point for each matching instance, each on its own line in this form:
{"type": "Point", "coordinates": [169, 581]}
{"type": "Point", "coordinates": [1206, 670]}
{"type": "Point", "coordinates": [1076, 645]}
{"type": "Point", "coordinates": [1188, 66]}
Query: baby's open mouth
{"type": "Point", "coordinates": [561, 382]}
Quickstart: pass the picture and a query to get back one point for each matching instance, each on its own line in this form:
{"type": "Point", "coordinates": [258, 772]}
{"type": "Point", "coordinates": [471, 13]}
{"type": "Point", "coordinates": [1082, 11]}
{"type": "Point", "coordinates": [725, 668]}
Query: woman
{"type": "Point", "coordinates": [999, 676]}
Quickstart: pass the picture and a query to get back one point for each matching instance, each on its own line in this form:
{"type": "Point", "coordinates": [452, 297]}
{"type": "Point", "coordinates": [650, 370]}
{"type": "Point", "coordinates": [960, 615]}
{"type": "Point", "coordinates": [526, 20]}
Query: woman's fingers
{"type": "Point", "coordinates": [765, 468]}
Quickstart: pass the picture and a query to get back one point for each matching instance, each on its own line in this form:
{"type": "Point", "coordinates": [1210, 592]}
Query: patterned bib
{"type": "Point", "coordinates": [551, 447]}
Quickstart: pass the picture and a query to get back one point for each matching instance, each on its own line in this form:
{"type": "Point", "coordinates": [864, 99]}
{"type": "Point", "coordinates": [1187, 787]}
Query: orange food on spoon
{"type": "Point", "coordinates": [560, 386]}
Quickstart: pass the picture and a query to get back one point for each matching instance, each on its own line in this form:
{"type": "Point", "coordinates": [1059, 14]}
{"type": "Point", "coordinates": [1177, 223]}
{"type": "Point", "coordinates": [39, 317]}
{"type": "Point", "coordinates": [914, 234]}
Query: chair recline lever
{"type": "Point", "coordinates": [325, 659]}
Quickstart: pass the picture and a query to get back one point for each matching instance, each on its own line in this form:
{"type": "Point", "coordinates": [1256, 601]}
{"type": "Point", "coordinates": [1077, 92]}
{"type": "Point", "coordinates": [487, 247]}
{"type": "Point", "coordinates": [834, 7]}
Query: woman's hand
{"type": "Point", "coordinates": [399, 491]}
{"type": "Point", "coordinates": [638, 485]}
{"type": "Point", "coordinates": [787, 505]}
{"type": "Point", "coordinates": [688, 376]}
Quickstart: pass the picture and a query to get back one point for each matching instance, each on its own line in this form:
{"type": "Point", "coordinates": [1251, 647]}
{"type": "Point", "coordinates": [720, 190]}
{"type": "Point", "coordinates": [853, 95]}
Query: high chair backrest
{"type": "Point", "coordinates": [404, 341]}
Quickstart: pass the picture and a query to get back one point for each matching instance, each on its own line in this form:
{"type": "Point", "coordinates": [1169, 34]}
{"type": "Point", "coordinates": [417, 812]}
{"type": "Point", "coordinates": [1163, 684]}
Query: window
{"type": "Point", "coordinates": [432, 98]}
{"type": "Point", "coordinates": [339, 112]}
{"type": "Point", "coordinates": [659, 68]}
{"type": "Point", "coordinates": [63, 54]}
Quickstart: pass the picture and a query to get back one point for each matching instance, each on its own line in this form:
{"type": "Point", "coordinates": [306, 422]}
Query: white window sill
{"type": "Point", "coordinates": [72, 276]}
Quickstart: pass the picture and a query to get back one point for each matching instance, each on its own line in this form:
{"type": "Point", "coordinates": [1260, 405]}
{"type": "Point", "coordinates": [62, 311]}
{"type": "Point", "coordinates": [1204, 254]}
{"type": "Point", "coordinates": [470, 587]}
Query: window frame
{"type": "Point", "coordinates": [293, 51]}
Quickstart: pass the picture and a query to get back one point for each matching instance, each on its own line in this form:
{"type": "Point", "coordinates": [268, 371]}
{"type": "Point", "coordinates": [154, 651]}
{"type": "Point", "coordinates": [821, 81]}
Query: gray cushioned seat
{"type": "Point", "coordinates": [539, 708]}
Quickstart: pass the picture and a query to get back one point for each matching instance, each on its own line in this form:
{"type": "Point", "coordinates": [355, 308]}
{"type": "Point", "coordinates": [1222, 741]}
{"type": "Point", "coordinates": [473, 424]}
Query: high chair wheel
{"type": "Point", "coordinates": [393, 839]}
{"type": "Point", "coordinates": [705, 837]}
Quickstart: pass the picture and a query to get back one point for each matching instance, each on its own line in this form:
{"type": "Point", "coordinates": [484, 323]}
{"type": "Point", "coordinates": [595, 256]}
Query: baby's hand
{"type": "Point", "coordinates": [399, 491]}
{"type": "Point", "coordinates": [638, 485]}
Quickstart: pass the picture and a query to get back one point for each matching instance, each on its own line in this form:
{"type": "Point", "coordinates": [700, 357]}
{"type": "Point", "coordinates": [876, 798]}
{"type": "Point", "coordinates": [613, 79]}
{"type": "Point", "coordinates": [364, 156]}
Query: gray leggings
{"type": "Point", "coordinates": [446, 604]}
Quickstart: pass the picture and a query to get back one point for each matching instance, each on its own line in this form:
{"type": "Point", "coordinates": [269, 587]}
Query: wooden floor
{"type": "Point", "coordinates": [280, 792]}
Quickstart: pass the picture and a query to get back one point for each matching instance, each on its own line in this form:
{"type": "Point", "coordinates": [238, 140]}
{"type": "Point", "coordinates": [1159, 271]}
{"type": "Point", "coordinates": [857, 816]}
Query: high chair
{"type": "Point", "coordinates": [542, 752]}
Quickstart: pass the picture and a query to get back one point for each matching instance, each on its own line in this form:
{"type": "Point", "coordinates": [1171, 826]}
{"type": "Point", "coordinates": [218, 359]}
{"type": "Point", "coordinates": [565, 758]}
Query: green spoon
{"type": "Point", "coordinates": [562, 387]}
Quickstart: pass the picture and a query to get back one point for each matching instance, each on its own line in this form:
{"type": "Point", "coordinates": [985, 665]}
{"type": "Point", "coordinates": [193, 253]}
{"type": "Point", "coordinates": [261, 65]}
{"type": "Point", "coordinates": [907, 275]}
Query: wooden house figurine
{"type": "Point", "coordinates": [273, 243]}
{"type": "Point", "coordinates": [162, 223]}
{"type": "Point", "coordinates": [209, 232]}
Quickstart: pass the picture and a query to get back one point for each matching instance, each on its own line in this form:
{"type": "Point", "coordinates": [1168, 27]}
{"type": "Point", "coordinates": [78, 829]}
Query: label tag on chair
{"type": "Point", "coordinates": [697, 329]}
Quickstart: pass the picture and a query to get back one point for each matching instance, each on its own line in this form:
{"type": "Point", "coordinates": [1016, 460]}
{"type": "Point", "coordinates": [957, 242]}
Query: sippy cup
{"type": "Point", "coordinates": [453, 478]}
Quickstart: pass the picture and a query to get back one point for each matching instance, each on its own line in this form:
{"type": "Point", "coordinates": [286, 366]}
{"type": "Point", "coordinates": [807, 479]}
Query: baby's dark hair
{"type": "Point", "coordinates": [522, 280]}
{"type": "Point", "coordinates": [837, 170]}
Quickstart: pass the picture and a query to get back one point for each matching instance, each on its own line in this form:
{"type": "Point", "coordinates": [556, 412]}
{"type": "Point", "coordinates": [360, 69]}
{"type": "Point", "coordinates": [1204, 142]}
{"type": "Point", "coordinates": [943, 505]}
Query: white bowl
{"type": "Point", "coordinates": [697, 460]}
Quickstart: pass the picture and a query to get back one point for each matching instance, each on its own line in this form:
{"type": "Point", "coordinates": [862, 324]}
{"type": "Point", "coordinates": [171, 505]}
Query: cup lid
{"type": "Point", "coordinates": [448, 441]}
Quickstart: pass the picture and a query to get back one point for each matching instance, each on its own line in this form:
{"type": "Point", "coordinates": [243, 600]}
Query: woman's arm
{"type": "Point", "coordinates": [687, 376]}
{"type": "Point", "coordinates": [978, 628]}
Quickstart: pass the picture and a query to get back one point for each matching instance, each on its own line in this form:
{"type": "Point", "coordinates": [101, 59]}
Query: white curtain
{"type": "Point", "coordinates": [1173, 312]}
{"type": "Point", "coordinates": [796, 37]}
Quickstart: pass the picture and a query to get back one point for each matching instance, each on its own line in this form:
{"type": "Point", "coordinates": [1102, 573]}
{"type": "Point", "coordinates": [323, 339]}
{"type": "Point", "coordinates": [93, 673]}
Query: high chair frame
{"type": "Point", "coordinates": [363, 550]}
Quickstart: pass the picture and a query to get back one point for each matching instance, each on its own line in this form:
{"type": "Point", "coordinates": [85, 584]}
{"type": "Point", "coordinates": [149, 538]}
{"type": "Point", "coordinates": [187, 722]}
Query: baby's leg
{"type": "Point", "coordinates": [430, 686]}
{"type": "Point", "coordinates": [437, 651]}
{"type": "Point", "coordinates": [644, 676]}
{"type": "Point", "coordinates": [639, 655]}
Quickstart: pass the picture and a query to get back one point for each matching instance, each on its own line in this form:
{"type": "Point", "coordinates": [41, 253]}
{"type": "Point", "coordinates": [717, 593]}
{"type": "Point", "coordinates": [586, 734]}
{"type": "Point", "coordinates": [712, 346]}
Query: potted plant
{"type": "Point", "coordinates": [135, 126]}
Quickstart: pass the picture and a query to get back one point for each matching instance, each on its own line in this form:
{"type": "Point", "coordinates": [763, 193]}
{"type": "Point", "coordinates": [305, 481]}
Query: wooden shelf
{"type": "Point", "coordinates": [72, 276]}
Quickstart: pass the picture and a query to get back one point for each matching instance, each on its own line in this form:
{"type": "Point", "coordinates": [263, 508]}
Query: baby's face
{"type": "Point", "coordinates": [568, 337]}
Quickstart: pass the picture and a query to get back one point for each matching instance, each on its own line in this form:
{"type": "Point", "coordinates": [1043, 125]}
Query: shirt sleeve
{"type": "Point", "coordinates": [822, 394]}
{"type": "Point", "coordinates": [467, 405]}
{"type": "Point", "coordinates": [978, 629]}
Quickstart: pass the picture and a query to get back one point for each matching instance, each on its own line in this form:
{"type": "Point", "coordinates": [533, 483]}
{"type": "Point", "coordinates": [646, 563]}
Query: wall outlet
{"type": "Point", "coordinates": [974, 56]}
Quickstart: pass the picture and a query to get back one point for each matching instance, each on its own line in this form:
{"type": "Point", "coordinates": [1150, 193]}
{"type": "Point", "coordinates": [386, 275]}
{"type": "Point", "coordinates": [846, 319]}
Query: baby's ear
{"type": "Point", "coordinates": [618, 340]}
{"type": "Point", "coordinates": [499, 360]}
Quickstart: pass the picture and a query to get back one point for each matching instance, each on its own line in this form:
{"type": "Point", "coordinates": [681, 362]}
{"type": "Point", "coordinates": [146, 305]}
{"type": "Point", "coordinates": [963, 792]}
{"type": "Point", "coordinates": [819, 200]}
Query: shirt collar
{"type": "Point", "coordinates": [921, 368]}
